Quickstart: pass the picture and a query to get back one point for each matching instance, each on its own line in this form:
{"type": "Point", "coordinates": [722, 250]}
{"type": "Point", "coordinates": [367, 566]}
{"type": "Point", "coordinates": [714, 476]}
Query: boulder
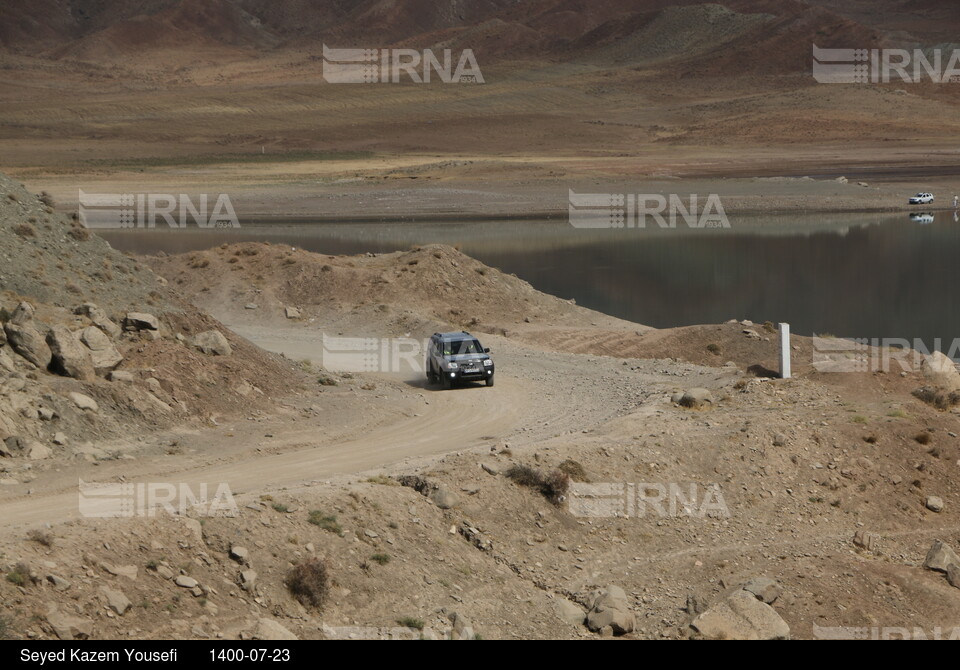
{"type": "Point", "coordinates": [940, 557]}
{"type": "Point", "coordinates": [570, 612]}
{"type": "Point", "coordinates": [137, 321]}
{"type": "Point", "coordinates": [240, 554]}
{"type": "Point", "coordinates": [22, 315]}
{"type": "Point", "coordinates": [69, 357]}
{"type": "Point", "coordinates": [940, 371]}
{"type": "Point", "coordinates": [610, 608]}
{"type": "Point", "coordinates": [68, 627]}
{"type": "Point", "coordinates": [212, 343]}
{"type": "Point", "coordinates": [103, 353]}
{"type": "Point", "coordinates": [84, 402]}
{"type": "Point", "coordinates": [443, 498]}
{"type": "Point", "coordinates": [763, 588]}
{"type": "Point", "coordinates": [953, 575]}
{"type": "Point", "coordinates": [696, 398]}
{"type": "Point", "coordinates": [99, 318]}
{"type": "Point", "coordinates": [934, 503]}
{"type": "Point", "coordinates": [462, 628]}
{"type": "Point", "coordinates": [271, 630]}
{"type": "Point", "coordinates": [741, 616]}
{"type": "Point", "coordinates": [39, 452]}
{"type": "Point", "coordinates": [186, 582]}
{"type": "Point", "coordinates": [28, 343]}
{"type": "Point", "coordinates": [292, 312]}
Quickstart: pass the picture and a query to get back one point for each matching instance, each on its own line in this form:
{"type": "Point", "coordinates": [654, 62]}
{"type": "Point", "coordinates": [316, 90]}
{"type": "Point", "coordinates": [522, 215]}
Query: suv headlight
{"type": "Point", "coordinates": [487, 363]}
{"type": "Point", "coordinates": [452, 366]}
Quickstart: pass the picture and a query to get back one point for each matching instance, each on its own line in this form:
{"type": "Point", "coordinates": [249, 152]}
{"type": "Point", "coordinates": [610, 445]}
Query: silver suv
{"type": "Point", "coordinates": [456, 357]}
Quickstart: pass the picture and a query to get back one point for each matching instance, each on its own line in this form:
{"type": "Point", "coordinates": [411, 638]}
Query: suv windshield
{"type": "Point", "coordinates": [458, 347]}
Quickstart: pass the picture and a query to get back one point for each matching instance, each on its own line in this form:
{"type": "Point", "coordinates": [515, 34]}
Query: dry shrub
{"type": "Point", "coordinates": [309, 582]}
{"type": "Point", "coordinates": [553, 485]}
{"type": "Point", "coordinates": [575, 470]}
{"type": "Point", "coordinates": [24, 230]}
{"type": "Point", "coordinates": [942, 399]}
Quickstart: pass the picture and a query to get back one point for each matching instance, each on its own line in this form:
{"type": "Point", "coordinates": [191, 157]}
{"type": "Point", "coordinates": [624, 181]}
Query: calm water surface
{"type": "Point", "coordinates": [849, 275]}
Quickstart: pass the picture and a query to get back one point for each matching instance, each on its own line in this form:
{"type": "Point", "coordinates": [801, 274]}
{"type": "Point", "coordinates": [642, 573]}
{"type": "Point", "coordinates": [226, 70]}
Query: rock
{"type": "Point", "coordinates": [779, 440]}
{"type": "Point", "coordinates": [212, 342]}
{"type": "Point", "coordinates": [934, 503]}
{"type": "Point", "coordinates": [46, 414]}
{"type": "Point", "coordinates": [940, 371]}
{"type": "Point", "coordinates": [462, 629]}
{"type": "Point", "coordinates": [953, 575]}
{"type": "Point", "coordinates": [14, 446]}
{"type": "Point", "coordinates": [611, 609]}
{"type": "Point", "coordinates": [84, 401]}
{"type": "Point", "coordinates": [6, 362]}
{"type": "Point", "coordinates": [68, 627]}
{"type": "Point", "coordinates": [103, 354]}
{"type": "Point", "coordinates": [22, 314]}
{"type": "Point", "coordinates": [751, 334]}
{"type": "Point", "coordinates": [195, 528]}
{"type": "Point", "coordinates": [570, 612]}
{"type": "Point", "coordinates": [116, 600]}
{"type": "Point", "coordinates": [99, 319]}
{"type": "Point", "coordinates": [271, 630]}
{"type": "Point", "coordinates": [59, 583]}
{"type": "Point", "coordinates": [764, 589]}
{"type": "Point", "coordinates": [940, 557]}
{"type": "Point", "coordinates": [60, 439]}
{"type": "Point", "coordinates": [39, 452]}
{"type": "Point", "coordinates": [251, 305]}
{"type": "Point", "coordinates": [489, 469]}
{"type": "Point", "coordinates": [128, 571]}
{"type": "Point", "coordinates": [842, 180]}
{"type": "Point", "coordinates": [121, 376]}
{"type": "Point", "coordinates": [292, 312]}
{"type": "Point", "coordinates": [240, 555]}
{"type": "Point", "coordinates": [27, 341]}
{"type": "Point", "coordinates": [443, 498]}
{"type": "Point", "coordinates": [137, 321]}
{"type": "Point", "coordinates": [69, 357]}
{"type": "Point", "coordinates": [697, 398]}
{"type": "Point", "coordinates": [248, 580]}
{"type": "Point", "coordinates": [865, 540]}
{"type": "Point", "coordinates": [741, 616]}
{"type": "Point", "coordinates": [186, 582]}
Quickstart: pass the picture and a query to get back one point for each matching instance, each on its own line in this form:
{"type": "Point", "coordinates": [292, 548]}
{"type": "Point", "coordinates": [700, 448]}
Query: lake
{"type": "Point", "coordinates": [850, 275]}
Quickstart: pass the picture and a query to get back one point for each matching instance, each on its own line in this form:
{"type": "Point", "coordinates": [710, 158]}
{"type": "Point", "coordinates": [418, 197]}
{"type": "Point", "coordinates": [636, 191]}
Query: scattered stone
{"type": "Point", "coordinates": [121, 376]}
{"type": "Point", "coordinates": [934, 504]}
{"type": "Point", "coordinates": [213, 343]}
{"type": "Point", "coordinates": [865, 540]}
{"type": "Point", "coordinates": [940, 557]}
{"type": "Point", "coordinates": [462, 629]}
{"type": "Point", "coordinates": [137, 321]}
{"type": "Point", "coordinates": [443, 498]}
{"type": "Point", "coordinates": [186, 582]}
{"type": "Point", "coordinates": [60, 439]}
{"type": "Point", "coordinates": [764, 589]}
{"type": "Point", "coordinates": [68, 627]}
{"type": "Point", "coordinates": [292, 312]}
{"type": "Point", "coordinates": [779, 440]}
{"type": "Point", "coordinates": [250, 305]}
{"type": "Point", "coordinates": [240, 555]}
{"type": "Point", "coordinates": [84, 401]}
{"type": "Point", "coordinates": [59, 583]}
{"type": "Point", "coordinates": [489, 469]}
{"type": "Point", "coordinates": [271, 630]}
{"type": "Point", "coordinates": [248, 580]}
{"type": "Point", "coordinates": [741, 616]}
{"type": "Point", "coordinates": [116, 600]}
{"type": "Point", "coordinates": [696, 398]}
{"type": "Point", "coordinates": [611, 609]}
{"type": "Point", "coordinates": [751, 334]}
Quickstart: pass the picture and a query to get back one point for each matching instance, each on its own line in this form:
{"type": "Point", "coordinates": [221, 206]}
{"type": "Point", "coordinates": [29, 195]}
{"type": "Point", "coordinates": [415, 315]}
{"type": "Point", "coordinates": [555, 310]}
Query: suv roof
{"type": "Point", "coordinates": [453, 336]}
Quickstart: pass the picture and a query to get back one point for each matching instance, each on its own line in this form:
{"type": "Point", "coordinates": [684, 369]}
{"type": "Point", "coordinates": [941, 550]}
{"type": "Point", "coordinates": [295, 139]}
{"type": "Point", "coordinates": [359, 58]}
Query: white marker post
{"type": "Point", "coordinates": [785, 372]}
